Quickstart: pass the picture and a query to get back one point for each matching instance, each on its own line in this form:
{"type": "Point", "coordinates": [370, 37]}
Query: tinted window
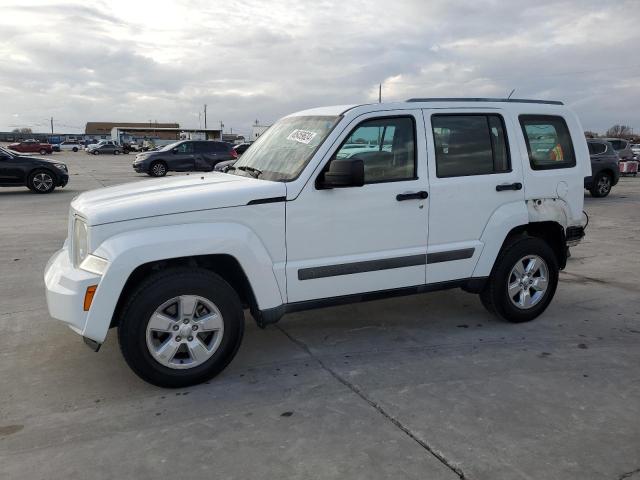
{"type": "Point", "coordinates": [203, 147]}
{"type": "Point", "coordinates": [618, 144]}
{"type": "Point", "coordinates": [469, 145]}
{"type": "Point", "coordinates": [186, 147]}
{"type": "Point", "coordinates": [220, 147]}
{"type": "Point", "coordinates": [596, 148]}
{"type": "Point", "coordinates": [548, 142]}
{"type": "Point", "coordinates": [386, 146]}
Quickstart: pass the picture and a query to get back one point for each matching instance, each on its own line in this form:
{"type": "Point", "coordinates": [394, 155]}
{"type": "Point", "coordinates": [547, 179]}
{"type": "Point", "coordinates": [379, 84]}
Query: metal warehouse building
{"type": "Point", "coordinates": [142, 129]}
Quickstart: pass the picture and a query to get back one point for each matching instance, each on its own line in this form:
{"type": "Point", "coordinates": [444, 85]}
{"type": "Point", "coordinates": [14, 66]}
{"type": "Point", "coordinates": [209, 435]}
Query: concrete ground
{"type": "Point", "coordinates": [429, 386]}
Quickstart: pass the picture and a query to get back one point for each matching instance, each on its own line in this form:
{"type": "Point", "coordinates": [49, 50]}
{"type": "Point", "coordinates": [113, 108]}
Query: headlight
{"type": "Point", "coordinates": [94, 264]}
{"type": "Point", "coordinates": [80, 242]}
{"type": "Point", "coordinates": [61, 166]}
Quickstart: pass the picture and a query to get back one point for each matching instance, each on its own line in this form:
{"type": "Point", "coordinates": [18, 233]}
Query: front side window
{"type": "Point", "coordinates": [548, 142]}
{"type": "Point", "coordinates": [386, 146]}
{"type": "Point", "coordinates": [285, 148]}
{"type": "Point", "coordinates": [186, 147]}
{"type": "Point", "coordinates": [470, 145]}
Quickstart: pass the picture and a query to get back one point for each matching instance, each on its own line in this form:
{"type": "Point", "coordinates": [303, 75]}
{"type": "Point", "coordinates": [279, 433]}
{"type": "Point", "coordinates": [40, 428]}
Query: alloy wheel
{"type": "Point", "coordinates": [604, 185]}
{"type": "Point", "coordinates": [184, 332]}
{"type": "Point", "coordinates": [42, 182]}
{"type": "Point", "coordinates": [528, 281]}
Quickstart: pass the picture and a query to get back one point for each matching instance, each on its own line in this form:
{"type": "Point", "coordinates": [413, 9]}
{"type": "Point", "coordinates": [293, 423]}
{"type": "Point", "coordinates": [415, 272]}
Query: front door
{"type": "Point", "coordinates": [11, 170]}
{"type": "Point", "coordinates": [474, 170]}
{"type": "Point", "coordinates": [352, 240]}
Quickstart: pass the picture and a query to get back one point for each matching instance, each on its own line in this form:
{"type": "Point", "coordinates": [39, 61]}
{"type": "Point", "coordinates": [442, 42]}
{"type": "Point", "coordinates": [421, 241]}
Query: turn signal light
{"type": "Point", "coordinates": [88, 297]}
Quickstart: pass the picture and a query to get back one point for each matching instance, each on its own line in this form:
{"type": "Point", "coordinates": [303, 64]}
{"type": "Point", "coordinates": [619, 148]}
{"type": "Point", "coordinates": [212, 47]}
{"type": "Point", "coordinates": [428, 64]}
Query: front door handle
{"type": "Point", "coordinates": [508, 186]}
{"type": "Point", "coordinates": [412, 196]}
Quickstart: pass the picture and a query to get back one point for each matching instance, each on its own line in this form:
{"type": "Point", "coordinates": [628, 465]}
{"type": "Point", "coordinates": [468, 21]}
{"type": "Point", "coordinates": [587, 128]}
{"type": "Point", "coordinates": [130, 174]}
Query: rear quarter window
{"type": "Point", "coordinates": [548, 142]}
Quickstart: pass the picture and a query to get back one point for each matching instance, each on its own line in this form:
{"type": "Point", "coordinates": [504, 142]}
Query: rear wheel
{"type": "Point", "coordinates": [75, 149]}
{"type": "Point", "coordinates": [41, 181]}
{"type": "Point", "coordinates": [181, 327]}
{"type": "Point", "coordinates": [523, 281]}
{"type": "Point", "coordinates": [158, 169]}
{"type": "Point", "coordinates": [116, 152]}
{"type": "Point", "coordinates": [601, 185]}
{"type": "Point", "coordinates": [43, 151]}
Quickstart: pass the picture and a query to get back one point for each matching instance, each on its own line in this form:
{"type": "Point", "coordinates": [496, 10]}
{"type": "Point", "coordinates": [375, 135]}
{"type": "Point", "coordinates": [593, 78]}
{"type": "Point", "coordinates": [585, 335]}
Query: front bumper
{"type": "Point", "coordinates": [65, 289]}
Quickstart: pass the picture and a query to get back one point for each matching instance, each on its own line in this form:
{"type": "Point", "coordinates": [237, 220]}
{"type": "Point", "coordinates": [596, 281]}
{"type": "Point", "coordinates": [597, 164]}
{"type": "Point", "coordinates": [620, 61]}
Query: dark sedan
{"type": "Point", "coordinates": [39, 175]}
{"type": "Point", "coordinates": [605, 172]}
{"type": "Point", "coordinates": [184, 156]}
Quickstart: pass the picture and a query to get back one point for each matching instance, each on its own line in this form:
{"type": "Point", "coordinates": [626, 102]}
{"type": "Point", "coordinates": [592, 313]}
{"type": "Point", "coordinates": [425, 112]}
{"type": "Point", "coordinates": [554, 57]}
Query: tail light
{"type": "Point", "coordinates": [234, 154]}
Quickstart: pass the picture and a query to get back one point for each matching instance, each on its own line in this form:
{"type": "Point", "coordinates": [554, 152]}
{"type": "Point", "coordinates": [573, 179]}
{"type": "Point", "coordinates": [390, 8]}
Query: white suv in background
{"type": "Point", "coordinates": [481, 194]}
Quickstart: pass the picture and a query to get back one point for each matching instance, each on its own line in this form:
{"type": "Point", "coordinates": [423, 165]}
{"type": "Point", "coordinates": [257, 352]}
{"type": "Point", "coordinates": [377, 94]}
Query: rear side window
{"type": "Point", "coordinates": [548, 142]}
{"type": "Point", "coordinates": [470, 145]}
{"type": "Point", "coordinates": [596, 148]}
{"type": "Point", "coordinates": [618, 144]}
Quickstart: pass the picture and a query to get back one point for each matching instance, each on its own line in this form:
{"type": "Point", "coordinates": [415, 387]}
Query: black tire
{"type": "Point", "coordinates": [96, 152]}
{"type": "Point", "coordinates": [75, 149]}
{"type": "Point", "coordinates": [43, 151]}
{"type": "Point", "coordinates": [152, 293]}
{"type": "Point", "coordinates": [158, 169]}
{"type": "Point", "coordinates": [41, 181]}
{"type": "Point", "coordinates": [116, 152]}
{"type": "Point", "coordinates": [495, 296]}
{"type": "Point", "coordinates": [601, 186]}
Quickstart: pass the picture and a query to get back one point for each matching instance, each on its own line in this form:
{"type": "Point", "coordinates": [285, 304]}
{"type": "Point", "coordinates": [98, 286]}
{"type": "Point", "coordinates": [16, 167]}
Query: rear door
{"type": "Point", "coordinates": [474, 169]}
{"type": "Point", "coordinates": [204, 156]}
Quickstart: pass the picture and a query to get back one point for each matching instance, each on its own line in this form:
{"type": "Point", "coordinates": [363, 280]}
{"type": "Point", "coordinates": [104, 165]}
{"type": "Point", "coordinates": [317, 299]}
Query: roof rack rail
{"type": "Point", "coordinates": [506, 100]}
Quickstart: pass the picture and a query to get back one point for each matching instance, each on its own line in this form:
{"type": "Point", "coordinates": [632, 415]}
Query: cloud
{"type": "Point", "coordinates": [162, 60]}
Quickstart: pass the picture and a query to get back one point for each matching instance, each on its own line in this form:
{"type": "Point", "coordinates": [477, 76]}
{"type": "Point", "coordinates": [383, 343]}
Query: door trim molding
{"type": "Point", "coordinates": [450, 255]}
{"type": "Point", "coordinates": [313, 273]}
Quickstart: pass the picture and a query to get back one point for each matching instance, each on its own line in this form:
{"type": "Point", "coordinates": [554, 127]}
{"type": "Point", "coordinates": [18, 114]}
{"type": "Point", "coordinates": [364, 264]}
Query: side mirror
{"type": "Point", "coordinates": [174, 150]}
{"type": "Point", "coordinates": [343, 173]}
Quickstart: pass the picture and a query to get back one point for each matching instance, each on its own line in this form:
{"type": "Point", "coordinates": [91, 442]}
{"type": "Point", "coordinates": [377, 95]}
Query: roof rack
{"type": "Point", "coordinates": [506, 100]}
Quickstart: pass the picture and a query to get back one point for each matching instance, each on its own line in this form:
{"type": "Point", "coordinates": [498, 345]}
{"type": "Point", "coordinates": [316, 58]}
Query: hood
{"type": "Point", "coordinates": [168, 196]}
{"type": "Point", "coordinates": [41, 160]}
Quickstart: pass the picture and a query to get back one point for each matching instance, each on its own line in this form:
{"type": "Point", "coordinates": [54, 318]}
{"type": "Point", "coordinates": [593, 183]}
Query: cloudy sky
{"type": "Point", "coordinates": [130, 60]}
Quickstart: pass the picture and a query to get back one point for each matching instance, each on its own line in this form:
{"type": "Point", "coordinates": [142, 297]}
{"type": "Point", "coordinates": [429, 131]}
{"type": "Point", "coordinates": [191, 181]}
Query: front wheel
{"type": "Point", "coordinates": [75, 149]}
{"type": "Point", "coordinates": [158, 169]}
{"type": "Point", "coordinates": [601, 185]}
{"type": "Point", "coordinates": [523, 280]}
{"type": "Point", "coordinates": [41, 182]}
{"type": "Point", "coordinates": [96, 152]}
{"type": "Point", "coordinates": [181, 327]}
{"type": "Point", "coordinates": [43, 151]}
{"type": "Point", "coordinates": [116, 152]}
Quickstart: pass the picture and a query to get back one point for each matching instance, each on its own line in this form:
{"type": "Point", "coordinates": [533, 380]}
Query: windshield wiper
{"type": "Point", "coordinates": [256, 173]}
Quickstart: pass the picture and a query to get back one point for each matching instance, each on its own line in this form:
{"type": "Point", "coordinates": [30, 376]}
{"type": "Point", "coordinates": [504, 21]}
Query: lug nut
{"type": "Point", "coordinates": [186, 320]}
{"type": "Point", "coordinates": [190, 338]}
{"type": "Point", "coordinates": [194, 327]}
{"type": "Point", "coordinates": [175, 327]}
{"type": "Point", "coordinates": [178, 338]}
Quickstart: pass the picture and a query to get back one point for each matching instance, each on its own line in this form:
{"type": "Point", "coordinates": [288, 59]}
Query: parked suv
{"type": "Point", "coordinates": [604, 168]}
{"type": "Point", "coordinates": [485, 195]}
{"type": "Point", "coordinates": [622, 148]}
{"type": "Point", "coordinates": [184, 156]}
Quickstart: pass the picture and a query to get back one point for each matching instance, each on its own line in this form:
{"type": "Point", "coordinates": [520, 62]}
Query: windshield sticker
{"type": "Point", "coordinates": [302, 136]}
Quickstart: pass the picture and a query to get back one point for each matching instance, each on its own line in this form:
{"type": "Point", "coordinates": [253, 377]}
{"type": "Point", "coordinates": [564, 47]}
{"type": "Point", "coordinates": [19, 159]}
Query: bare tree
{"type": "Point", "coordinates": [619, 131]}
{"type": "Point", "coordinates": [22, 130]}
{"type": "Point", "coordinates": [590, 134]}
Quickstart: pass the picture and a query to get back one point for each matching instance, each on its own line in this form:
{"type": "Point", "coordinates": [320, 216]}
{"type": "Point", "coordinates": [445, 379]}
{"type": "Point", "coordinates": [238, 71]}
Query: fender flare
{"type": "Point", "coordinates": [129, 250]}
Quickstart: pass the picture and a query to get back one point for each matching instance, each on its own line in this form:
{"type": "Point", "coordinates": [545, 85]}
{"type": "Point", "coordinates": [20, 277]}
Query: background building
{"type": "Point", "coordinates": [143, 129]}
{"type": "Point", "coordinates": [257, 130]}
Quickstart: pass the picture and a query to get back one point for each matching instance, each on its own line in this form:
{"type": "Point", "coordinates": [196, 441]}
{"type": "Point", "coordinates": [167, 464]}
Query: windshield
{"type": "Point", "coordinates": [166, 148]}
{"type": "Point", "coordinates": [282, 152]}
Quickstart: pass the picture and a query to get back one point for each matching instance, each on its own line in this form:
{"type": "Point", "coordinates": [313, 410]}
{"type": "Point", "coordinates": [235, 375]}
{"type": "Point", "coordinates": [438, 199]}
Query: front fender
{"type": "Point", "coordinates": [127, 251]}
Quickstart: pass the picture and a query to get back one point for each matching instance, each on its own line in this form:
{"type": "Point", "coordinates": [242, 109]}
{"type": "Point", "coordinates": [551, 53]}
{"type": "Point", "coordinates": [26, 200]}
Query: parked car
{"type": "Point", "coordinates": [184, 156]}
{"type": "Point", "coordinates": [622, 147]}
{"type": "Point", "coordinates": [39, 175]}
{"type": "Point", "coordinates": [69, 146]}
{"type": "Point", "coordinates": [604, 168]}
{"type": "Point", "coordinates": [241, 147]}
{"type": "Point", "coordinates": [105, 148]}
{"type": "Point", "coordinates": [635, 149]}
{"type": "Point", "coordinates": [100, 144]}
{"type": "Point", "coordinates": [31, 146]}
{"type": "Point", "coordinates": [224, 166]}
{"type": "Point", "coordinates": [293, 226]}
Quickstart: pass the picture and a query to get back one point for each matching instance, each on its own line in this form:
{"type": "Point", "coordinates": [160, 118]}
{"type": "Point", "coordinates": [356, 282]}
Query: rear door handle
{"type": "Point", "coordinates": [508, 186]}
{"type": "Point", "coordinates": [412, 196]}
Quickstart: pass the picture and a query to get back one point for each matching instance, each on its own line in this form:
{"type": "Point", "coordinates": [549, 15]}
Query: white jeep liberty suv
{"type": "Point", "coordinates": [330, 205]}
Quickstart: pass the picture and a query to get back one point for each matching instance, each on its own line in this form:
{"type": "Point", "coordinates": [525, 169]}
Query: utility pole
{"type": "Point", "coordinates": [380, 93]}
{"type": "Point", "coordinates": [51, 125]}
{"type": "Point", "coordinates": [205, 116]}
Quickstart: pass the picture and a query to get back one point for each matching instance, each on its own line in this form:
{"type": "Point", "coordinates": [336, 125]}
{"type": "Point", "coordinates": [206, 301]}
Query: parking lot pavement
{"type": "Point", "coordinates": [429, 386]}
